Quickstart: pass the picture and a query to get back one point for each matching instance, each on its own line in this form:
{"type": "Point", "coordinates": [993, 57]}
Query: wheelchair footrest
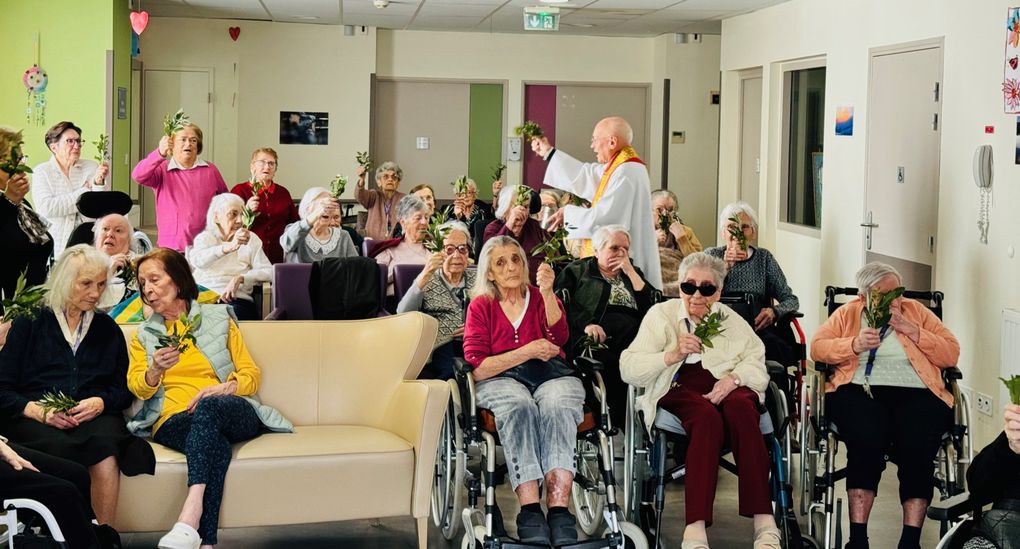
{"type": "Point", "coordinates": [951, 509]}
{"type": "Point", "coordinates": [599, 543]}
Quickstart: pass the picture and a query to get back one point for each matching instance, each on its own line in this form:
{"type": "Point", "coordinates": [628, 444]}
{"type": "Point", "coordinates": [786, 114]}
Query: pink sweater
{"type": "Point", "coordinates": [182, 197]}
{"type": "Point", "coordinates": [488, 332]}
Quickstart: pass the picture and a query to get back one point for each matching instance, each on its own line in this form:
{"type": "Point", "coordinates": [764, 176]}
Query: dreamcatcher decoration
{"type": "Point", "coordinates": [35, 81]}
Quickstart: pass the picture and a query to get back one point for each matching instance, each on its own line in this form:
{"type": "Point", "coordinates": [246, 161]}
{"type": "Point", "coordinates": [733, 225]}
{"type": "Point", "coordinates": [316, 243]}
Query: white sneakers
{"type": "Point", "coordinates": [181, 536]}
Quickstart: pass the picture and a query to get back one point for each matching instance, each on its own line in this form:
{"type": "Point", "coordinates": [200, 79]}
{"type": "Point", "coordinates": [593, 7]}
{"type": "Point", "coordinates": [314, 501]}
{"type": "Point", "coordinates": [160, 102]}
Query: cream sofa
{"type": "Point", "coordinates": [365, 431]}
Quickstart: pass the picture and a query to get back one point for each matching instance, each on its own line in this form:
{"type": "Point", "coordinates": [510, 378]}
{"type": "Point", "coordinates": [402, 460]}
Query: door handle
{"type": "Point", "coordinates": [870, 225]}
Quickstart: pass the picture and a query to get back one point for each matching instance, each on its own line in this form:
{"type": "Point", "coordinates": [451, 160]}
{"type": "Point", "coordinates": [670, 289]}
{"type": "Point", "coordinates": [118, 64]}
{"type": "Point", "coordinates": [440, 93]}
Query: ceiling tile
{"type": "Point", "coordinates": [633, 4]}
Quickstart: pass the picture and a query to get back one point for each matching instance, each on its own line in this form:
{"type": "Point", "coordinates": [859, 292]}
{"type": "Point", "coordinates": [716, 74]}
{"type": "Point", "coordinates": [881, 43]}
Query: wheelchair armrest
{"type": "Point", "coordinates": [824, 368]}
{"type": "Point", "coordinates": [587, 365]}
{"type": "Point", "coordinates": [462, 367]}
{"type": "Point", "coordinates": [774, 368]}
{"type": "Point", "coordinates": [952, 373]}
{"type": "Point", "coordinates": [951, 509]}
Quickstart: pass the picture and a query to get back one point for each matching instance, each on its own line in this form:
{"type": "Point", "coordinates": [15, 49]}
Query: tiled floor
{"type": "Point", "coordinates": [729, 530]}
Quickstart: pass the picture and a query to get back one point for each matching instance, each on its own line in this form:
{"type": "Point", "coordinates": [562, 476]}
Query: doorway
{"type": "Point", "coordinates": [902, 186]}
{"type": "Point", "coordinates": [750, 136]}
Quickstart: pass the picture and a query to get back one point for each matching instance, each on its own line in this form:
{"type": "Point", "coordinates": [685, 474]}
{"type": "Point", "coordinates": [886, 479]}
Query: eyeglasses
{"type": "Point", "coordinates": [268, 163]}
{"type": "Point", "coordinates": [705, 289]}
{"type": "Point", "coordinates": [70, 142]}
{"type": "Point", "coordinates": [462, 249]}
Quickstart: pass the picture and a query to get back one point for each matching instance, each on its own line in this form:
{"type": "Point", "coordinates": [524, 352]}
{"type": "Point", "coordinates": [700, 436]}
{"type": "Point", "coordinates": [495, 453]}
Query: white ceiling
{"type": "Point", "coordinates": [578, 17]}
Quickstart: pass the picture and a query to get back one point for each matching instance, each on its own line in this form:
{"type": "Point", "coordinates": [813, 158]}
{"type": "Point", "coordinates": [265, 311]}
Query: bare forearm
{"type": "Point", "coordinates": [495, 365]}
{"type": "Point", "coordinates": [552, 309]}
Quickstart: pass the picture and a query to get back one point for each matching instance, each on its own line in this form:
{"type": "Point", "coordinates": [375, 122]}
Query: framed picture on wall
{"type": "Point", "coordinates": [304, 128]}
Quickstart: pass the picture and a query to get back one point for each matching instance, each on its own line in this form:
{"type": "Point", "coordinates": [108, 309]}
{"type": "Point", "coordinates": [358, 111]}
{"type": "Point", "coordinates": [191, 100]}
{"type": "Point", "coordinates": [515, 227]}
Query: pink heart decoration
{"type": "Point", "coordinates": [139, 20]}
{"type": "Point", "coordinates": [234, 33]}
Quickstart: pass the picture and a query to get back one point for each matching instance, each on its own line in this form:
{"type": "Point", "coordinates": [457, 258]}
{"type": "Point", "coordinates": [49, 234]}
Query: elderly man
{"type": "Point", "coordinates": [113, 237]}
{"type": "Point", "coordinates": [617, 187]}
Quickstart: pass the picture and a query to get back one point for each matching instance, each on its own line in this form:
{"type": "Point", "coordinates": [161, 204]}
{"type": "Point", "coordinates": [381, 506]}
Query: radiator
{"type": "Point", "coordinates": [1009, 361]}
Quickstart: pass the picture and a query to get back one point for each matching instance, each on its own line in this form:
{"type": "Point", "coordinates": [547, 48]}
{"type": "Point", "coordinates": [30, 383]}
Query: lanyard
{"type": "Point", "coordinates": [79, 333]}
{"type": "Point", "coordinates": [676, 376]}
{"type": "Point", "coordinates": [871, 362]}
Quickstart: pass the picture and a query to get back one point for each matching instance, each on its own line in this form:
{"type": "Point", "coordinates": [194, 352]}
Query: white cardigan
{"type": "Point", "coordinates": [55, 196]}
{"type": "Point", "coordinates": [735, 350]}
{"type": "Point", "coordinates": [215, 270]}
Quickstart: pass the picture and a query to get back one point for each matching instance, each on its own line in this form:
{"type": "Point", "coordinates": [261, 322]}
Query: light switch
{"type": "Point", "coordinates": [513, 149]}
{"type": "Point", "coordinates": [422, 143]}
{"type": "Point", "coordinates": [679, 137]}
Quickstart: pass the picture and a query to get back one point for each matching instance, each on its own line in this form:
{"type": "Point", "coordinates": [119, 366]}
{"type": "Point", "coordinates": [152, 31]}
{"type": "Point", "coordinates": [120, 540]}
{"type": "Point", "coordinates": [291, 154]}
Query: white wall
{"type": "Point", "coordinates": [979, 280]}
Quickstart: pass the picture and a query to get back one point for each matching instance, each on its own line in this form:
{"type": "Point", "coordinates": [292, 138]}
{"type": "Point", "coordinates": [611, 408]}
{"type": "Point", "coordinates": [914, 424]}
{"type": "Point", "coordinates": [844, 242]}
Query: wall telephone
{"type": "Point", "coordinates": [983, 180]}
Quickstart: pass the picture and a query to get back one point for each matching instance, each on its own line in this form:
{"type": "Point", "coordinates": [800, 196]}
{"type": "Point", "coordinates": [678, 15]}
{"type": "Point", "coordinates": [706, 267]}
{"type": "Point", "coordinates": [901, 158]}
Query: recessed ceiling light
{"type": "Point", "coordinates": [554, 1]}
{"type": "Point", "coordinates": [305, 17]}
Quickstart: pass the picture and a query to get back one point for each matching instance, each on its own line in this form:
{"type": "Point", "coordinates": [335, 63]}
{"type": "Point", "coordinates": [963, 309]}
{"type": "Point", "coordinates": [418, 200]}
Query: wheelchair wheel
{"type": "Point", "coordinates": [588, 494]}
{"type": "Point", "coordinates": [448, 481]}
{"type": "Point", "coordinates": [633, 537]}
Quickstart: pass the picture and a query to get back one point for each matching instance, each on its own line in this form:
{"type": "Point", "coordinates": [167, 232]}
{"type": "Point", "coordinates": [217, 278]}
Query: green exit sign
{"type": "Point", "coordinates": [541, 21]}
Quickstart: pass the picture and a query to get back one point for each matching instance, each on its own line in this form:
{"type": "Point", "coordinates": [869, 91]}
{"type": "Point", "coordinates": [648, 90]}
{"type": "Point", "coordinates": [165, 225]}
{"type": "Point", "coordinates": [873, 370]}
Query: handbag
{"type": "Point", "coordinates": [535, 372]}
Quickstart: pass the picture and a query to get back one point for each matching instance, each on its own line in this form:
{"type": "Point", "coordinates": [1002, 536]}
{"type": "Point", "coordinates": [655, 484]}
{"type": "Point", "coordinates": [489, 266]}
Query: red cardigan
{"type": "Point", "coordinates": [488, 332]}
{"type": "Point", "coordinates": [276, 211]}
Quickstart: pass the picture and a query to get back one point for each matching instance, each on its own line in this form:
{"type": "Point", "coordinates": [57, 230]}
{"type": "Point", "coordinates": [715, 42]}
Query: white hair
{"type": "Point", "coordinates": [872, 274]}
{"type": "Point", "coordinates": [72, 262]}
{"type": "Point", "coordinates": [737, 208]}
{"type": "Point", "coordinates": [455, 225]}
{"type": "Point", "coordinates": [410, 205]}
{"type": "Point", "coordinates": [389, 166]}
{"type": "Point", "coordinates": [665, 193]}
{"type": "Point", "coordinates": [217, 205]}
{"type": "Point", "coordinates": [701, 260]}
{"type": "Point", "coordinates": [308, 200]}
{"type": "Point", "coordinates": [506, 200]}
{"type": "Point", "coordinates": [485, 287]}
{"type": "Point", "coordinates": [602, 234]}
{"type": "Point", "coordinates": [99, 222]}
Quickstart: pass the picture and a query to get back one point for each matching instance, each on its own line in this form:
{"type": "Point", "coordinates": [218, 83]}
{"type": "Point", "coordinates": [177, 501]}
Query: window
{"type": "Point", "coordinates": [805, 135]}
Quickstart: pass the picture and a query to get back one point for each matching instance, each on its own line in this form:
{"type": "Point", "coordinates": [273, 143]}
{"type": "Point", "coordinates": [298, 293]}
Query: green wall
{"type": "Point", "coordinates": [485, 128]}
{"type": "Point", "coordinates": [74, 36]}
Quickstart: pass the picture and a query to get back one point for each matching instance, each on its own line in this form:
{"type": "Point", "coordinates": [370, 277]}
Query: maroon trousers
{"type": "Point", "coordinates": [734, 421]}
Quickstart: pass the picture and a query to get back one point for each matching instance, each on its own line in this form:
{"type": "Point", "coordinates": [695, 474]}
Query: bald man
{"type": "Point", "coordinates": [617, 187]}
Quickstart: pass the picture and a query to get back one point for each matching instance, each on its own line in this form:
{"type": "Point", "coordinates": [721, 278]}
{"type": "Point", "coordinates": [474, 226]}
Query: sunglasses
{"type": "Point", "coordinates": [706, 289]}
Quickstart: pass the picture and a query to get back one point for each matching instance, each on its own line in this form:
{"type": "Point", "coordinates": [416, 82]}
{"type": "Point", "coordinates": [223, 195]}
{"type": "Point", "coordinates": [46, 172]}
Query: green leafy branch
{"type": "Point", "coordinates": [528, 131]}
{"type": "Point", "coordinates": [127, 274]}
{"type": "Point", "coordinates": [736, 230]}
{"type": "Point", "coordinates": [102, 144]}
{"type": "Point", "coordinates": [57, 402]}
{"type": "Point", "coordinates": [177, 340]}
{"type": "Point", "coordinates": [709, 327]}
{"type": "Point", "coordinates": [589, 345]}
{"type": "Point", "coordinates": [554, 249]}
{"type": "Point", "coordinates": [26, 301]}
{"type": "Point", "coordinates": [13, 163]}
{"type": "Point", "coordinates": [1013, 385]}
{"type": "Point", "coordinates": [173, 123]}
{"type": "Point", "coordinates": [578, 201]}
{"type": "Point", "coordinates": [337, 186]}
{"type": "Point", "coordinates": [256, 185]}
{"type": "Point", "coordinates": [460, 185]}
{"type": "Point", "coordinates": [364, 160]}
{"type": "Point", "coordinates": [248, 216]}
{"type": "Point", "coordinates": [666, 220]}
{"type": "Point", "coordinates": [435, 234]}
{"type": "Point", "coordinates": [497, 171]}
{"type": "Point", "coordinates": [876, 311]}
{"type": "Point", "coordinates": [523, 196]}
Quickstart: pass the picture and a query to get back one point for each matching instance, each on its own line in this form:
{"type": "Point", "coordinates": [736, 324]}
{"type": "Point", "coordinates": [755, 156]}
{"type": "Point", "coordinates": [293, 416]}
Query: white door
{"type": "Point", "coordinates": [901, 201]}
{"type": "Point", "coordinates": [750, 137]}
{"type": "Point", "coordinates": [165, 91]}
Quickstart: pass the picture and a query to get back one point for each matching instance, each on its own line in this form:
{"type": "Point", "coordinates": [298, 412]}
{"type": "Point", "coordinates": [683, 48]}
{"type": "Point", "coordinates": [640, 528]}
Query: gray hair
{"type": "Point", "coordinates": [701, 260]}
{"type": "Point", "coordinates": [410, 205]}
{"type": "Point", "coordinates": [602, 234]}
{"type": "Point", "coordinates": [72, 262]}
{"type": "Point", "coordinates": [550, 192]}
{"type": "Point", "coordinates": [665, 193]}
{"type": "Point", "coordinates": [389, 166]}
{"type": "Point", "coordinates": [308, 200]}
{"type": "Point", "coordinates": [737, 208]}
{"type": "Point", "coordinates": [219, 204]}
{"type": "Point", "coordinates": [99, 222]}
{"type": "Point", "coordinates": [455, 225]}
{"type": "Point", "coordinates": [506, 199]}
{"type": "Point", "coordinates": [485, 287]}
{"type": "Point", "coordinates": [872, 273]}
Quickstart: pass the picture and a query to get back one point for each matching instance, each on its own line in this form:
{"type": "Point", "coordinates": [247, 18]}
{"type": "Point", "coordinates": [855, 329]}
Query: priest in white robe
{"type": "Point", "coordinates": [617, 186]}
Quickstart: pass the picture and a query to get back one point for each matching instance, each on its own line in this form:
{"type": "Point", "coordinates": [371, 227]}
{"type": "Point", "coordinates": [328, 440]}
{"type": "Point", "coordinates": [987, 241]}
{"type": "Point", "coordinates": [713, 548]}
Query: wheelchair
{"type": "Point", "coordinates": [17, 530]}
{"type": "Point", "coordinates": [820, 441]}
{"type": "Point", "coordinates": [647, 472]}
{"type": "Point", "coordinates": [466, 460]}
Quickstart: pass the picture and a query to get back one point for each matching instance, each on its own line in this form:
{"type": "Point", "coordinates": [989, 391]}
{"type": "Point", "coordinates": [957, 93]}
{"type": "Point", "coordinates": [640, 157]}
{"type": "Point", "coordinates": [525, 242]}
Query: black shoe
{"type": "Point", "coordinates": [532, 527]}
{"type": "Point", "coordinates": [108, 537]}
{"type": "Point", "coordinates": [562, 528]}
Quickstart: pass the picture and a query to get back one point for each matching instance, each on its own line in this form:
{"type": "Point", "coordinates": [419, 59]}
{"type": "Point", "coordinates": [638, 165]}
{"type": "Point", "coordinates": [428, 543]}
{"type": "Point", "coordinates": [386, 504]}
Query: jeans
{"type": "Point", "coordinates": [538, 431]}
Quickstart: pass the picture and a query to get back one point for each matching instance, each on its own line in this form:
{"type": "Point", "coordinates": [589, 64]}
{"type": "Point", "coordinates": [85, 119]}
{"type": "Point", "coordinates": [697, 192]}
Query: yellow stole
{"type": "Point", "coordinates": [626, 154]}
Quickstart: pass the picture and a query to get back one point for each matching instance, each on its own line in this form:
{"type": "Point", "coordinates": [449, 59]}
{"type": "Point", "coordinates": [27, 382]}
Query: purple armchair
{"type": "Point", "coordinates": [291, 297]}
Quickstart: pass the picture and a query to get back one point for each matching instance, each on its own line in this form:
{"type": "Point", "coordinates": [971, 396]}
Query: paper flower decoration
{"type": "Point", "coordinates": [1011, 93]}
{"type": "Point", "coordinates": [35, 81]}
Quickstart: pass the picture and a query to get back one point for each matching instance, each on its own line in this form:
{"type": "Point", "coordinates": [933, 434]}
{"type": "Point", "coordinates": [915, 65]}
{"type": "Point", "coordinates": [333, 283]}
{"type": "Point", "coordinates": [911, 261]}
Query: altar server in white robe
{"type": "Point", "coordinates": [617, 186]}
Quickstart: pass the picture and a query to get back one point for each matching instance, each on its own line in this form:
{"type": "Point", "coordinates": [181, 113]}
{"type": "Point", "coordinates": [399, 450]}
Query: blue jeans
{"type": "Point", "coordinates": [538, 431]}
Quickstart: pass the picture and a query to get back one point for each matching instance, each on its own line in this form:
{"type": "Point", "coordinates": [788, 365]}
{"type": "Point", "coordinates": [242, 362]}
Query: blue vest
{"type": "Point", "coordinates": [211, 341]}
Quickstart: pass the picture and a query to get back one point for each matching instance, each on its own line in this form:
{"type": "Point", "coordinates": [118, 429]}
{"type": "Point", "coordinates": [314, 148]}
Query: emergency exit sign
{"type": "Point", "coordinates": [541, 21]}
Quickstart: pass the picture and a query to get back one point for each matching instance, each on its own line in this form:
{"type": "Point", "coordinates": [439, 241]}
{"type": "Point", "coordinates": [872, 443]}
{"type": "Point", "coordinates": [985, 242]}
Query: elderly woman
{"type": "Point", "coordinates": [25, 244]}
{"type": "Point", "coordinates": [184, 186]}
{"type": "Point", "coordinates": [512, 220]}
{"type": "Point", "coordinates": [756, 271]}
{"type": "Point", "coordinates": [381, 203]}
{"type": "Point", "coordinates": [677, 242]}
{"type": "Point", "coordinates": [470, 210]}
{"type": "Point", "coordinates": [413, 215]}
{"type": "Point", "coordinates": [714, 390]}
{"type": "Point", "coordinates": [317, 235]}
{"type": "Point", "coordinates": [994, 477]}
{"type": "Point", "coordinates": [513, 338]}
{"type": "Point", "coordinates": [197, 400]}
{"type": "Point", "coordinates": [72, 349]}
{"type": "Point", "coordinates": [887, 398]}
{"type": "Point", "coordinates": [59, 181]}
{"type": "Point", "coordinates": [228, 258]}
{"type": "Point", "coordinates": [608, 298]}
{"type": "Point", "coordinates": [271, 201]}
{"type": "Point", "coordinates": [427, 194]}
{"type": "Point", "coordinates": [440, 292]}
{"type": "Point", "coordinates": [113, 238]}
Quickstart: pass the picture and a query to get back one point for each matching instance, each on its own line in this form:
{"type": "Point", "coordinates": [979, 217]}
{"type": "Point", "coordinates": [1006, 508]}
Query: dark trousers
{"type": "Point", "coordinates": [905, 424]}
{"type": "Point", "coordinates": [441, 366]}
{"type": "Point", "coordinates": [205, 437]}
{"type": "Point", "coordinates": [735, 421]}
{"type": "Point", "coordinates": [245, 310]}
{"type": "Point", "coordinates": [62, 486]}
